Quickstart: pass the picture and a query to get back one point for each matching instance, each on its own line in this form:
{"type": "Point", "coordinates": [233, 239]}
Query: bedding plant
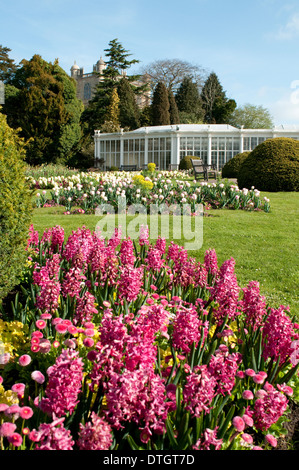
{"type": "Point", "coordinates": [86, 192]}
{"type": "Point", "coordinates": [127, 344]}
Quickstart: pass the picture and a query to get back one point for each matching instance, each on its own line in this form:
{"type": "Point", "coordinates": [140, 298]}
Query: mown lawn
{"type": "Point", "coordinates": [264, 245]}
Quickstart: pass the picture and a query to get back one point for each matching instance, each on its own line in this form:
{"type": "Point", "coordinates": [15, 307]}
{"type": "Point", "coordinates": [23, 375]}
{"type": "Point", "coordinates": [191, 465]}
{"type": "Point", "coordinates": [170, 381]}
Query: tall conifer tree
{"type": "Point", "coordinates": [129, 115]}
{"type": "Point", "coordinates": [217, 107]}
{"type": "Point", "coordinates": [160, 106]}
{"type": "Point", "coordinates": [189, 102]}
{"type": "Point", "coordinates": [173, 109]}
{"type": "Point", "coordinates": [113, 108]}
{"type": "Point", "coordinates": [7, 65]}
{"type": "Point", "coordinates": [117, 64]}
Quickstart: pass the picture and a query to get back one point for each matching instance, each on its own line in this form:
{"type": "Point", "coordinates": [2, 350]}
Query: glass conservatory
{"type": "Point", "coordinates": [167, 145]}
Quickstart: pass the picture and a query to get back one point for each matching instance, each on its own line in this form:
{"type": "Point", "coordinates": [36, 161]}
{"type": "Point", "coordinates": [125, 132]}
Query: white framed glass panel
{"type": "Point", "coordinates": [214, 157]}
{"type": "Point", "coordinates": [246, 144]}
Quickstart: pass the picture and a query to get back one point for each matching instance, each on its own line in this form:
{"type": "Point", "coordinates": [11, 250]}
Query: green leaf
{"type": "Point", "coordinates": [132, 443]}
{"type": "Point", "coordinates": [228, 418]}
{"type": "Point", "coordinates": [170, 434]}
{"type": "Point", "coordinates": [287, 377]}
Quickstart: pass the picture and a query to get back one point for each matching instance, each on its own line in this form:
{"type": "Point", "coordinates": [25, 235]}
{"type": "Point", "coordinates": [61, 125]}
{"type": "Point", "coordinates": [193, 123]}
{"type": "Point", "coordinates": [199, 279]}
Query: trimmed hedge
{"type": "Point", "coordinates": [272, 166]}
{"type": "Point", "coordinates": [15, 208]}
{"type": "Point", "coordinates": [185, 163]}
{"type": "Point", "coordinates": [232, 167]}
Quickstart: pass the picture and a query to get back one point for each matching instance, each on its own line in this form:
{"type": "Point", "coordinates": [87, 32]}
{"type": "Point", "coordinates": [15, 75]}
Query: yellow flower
{"type": "Point", "coordinates": [151, 167]}
{"type": "Point", "coordinates": [13, 335]}
{"type": "Point", "coordinates": [81, 336]}
{"type": "Point", "coordinates": [138, 179]}
{"type": "Point", "coordinates": [146, 184]}
{"type": "Point", "coordinates": [29, 263]}
{"type": "Point", "coordinates": [232, 340]}
{"type": "Point", "coordinates": [212, 330]}
{"type": "Point", "coordinates": [8, 396]}
{"type": "Point", "coordinates": [166, 354]}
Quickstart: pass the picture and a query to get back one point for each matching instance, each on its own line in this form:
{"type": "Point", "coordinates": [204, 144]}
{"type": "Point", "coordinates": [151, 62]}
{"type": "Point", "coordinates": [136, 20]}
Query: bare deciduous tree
{"type": "Point", "coordinates": [172, 72]}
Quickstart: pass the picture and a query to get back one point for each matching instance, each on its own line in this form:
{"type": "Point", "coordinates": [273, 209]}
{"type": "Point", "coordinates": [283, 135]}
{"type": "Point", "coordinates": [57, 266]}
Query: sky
{"type": "Point", "coordinates": [253, 47]}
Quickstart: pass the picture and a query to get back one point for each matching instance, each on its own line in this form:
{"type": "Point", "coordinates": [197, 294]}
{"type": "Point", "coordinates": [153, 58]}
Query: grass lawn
{"type": "Point", "coordinates": [264, 245]}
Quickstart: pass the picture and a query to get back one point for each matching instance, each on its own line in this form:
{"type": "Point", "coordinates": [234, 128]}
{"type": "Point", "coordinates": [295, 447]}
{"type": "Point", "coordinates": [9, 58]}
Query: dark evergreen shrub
{"type": "Point", "coordinates": [231, 168]}
{"type": "Point", "coordinates": [185, 163]}
{"type": "Point", "coordinates": [15, 208]}
{"type": "Point", "coordinates": [272, 166]}
{"type": "Point", "coordinates": [160, 106]}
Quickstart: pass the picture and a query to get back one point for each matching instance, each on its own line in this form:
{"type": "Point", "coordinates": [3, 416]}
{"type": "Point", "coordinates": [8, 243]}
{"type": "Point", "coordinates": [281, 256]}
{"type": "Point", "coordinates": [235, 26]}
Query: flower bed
{"type": "Point", "coordinates": [123, 345]}
{"type": "Point", "coordinates": [164, 191]}
{"type": "Point", "coordinates": [65, 177]}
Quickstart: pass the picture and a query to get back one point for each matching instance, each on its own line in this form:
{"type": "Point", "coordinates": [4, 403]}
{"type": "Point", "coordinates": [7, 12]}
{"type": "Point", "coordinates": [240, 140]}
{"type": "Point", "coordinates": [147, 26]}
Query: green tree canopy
{"type": "Point", "coordinates": [173, 109]}
{"type": "Point", "coordinates": [189, 102]}
{"type": "Point", "coordinates": [95, 114]}
{"type": "Point", "coordinates": [41, 100]}
{"type": "Point", "coordinates": [7, 65]}
{"type": "Point", "coordinates": [146, 118]}
{"type": "Point", "coordinates": [117, 63]}
{"type": "Point", "coordinates": [129, 114]}
{"type": "Point", "coordinates": [113, 108]}
{"type": "Point", "coordinates": [251, 117]}
{"type": "Point", "coordinates": [160, 106]}
{"type": "Point", "coordinates": [111, 123]}
{"type": "Point", "coordinates": [217, 107]}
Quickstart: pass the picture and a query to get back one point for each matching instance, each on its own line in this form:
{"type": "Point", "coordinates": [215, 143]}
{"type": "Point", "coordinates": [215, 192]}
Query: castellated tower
{"type": "Point", "coordinates": [87, 83]}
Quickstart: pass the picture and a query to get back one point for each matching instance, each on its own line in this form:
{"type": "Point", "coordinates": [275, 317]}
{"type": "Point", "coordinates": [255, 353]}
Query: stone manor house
{"type": "Point", "coordinates": [87, 82]}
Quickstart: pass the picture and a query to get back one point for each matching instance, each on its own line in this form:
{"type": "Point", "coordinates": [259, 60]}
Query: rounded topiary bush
{"type": "Point", "coordinates": [185, 163]}
{"type": "Point", "coordinates": [231, 168]}
{"type": "Point", "coordinates": [272, 166]}
{"type": "Point", "coordinates": [15, 207]}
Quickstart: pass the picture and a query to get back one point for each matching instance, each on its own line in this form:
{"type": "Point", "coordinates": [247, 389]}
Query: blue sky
{"type": "Point", "coordinates": [251, 46]}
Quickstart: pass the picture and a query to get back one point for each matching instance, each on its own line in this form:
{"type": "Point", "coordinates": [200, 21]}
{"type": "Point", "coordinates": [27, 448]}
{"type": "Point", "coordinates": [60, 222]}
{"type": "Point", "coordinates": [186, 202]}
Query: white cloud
{"type": "Point", "coordinates": [291, 29]}
{"type": "Point", "coordinates": [282, 102]}
{"type": "Point", "coordinates": [285, 110]}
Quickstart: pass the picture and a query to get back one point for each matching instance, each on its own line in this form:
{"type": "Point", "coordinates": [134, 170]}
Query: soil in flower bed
{"type": "Point", "coordinates": [291, 440]}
